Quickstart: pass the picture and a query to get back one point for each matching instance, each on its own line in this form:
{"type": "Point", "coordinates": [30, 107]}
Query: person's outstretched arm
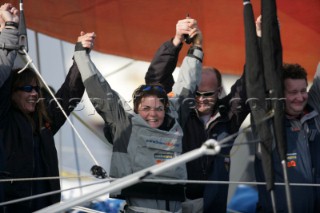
{"type": "Point", "coordinates": [8, 38]}
{"type": "Point", "coordinates": [189, 78]}
{"type": "Point", "coordinates": [108, 103]}
{"type": "Point", "coordinates": [9, 21]}
{"type": "Point", "coordinates": [69, 95]}
{"type": "Point", "coordinates": [165, 60]}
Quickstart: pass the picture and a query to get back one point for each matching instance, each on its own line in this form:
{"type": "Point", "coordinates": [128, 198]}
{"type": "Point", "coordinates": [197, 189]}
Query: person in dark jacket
{"type": "Point", "coordinates": [303, 137]}
{"type": "Point", "coordinates": [212, 118]}
{"type": "Point", "coordinates": [28, 126]}
{"type": "Point", "coordinates": [302, 126]}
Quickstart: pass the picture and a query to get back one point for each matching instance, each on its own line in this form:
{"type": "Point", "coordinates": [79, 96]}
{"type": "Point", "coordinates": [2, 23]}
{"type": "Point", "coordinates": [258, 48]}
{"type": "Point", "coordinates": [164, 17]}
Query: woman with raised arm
{"type": "Point", "coordinates": [143, 136]}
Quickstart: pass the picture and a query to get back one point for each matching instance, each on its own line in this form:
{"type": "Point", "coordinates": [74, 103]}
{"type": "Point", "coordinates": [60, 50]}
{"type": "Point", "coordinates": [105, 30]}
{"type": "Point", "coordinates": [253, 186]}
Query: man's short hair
{"type": "Point", "coordinates": [214, 70]}
{"type": "Point", "coordinates": [294, 71]}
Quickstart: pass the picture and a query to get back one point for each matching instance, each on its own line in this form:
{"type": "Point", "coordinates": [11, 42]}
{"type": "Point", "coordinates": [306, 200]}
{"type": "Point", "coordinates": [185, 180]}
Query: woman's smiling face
{"type": "Point", "coordinates": [152, 110]}
{"type": "Point", "coordinates": [26, 101]}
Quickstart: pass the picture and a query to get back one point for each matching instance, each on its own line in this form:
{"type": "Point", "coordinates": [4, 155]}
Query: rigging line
{"type": "Point", "coordinates": [61, 135]}
{"type": "Point", "coordinates": [121, 68]}
{"type": "Point", "coordinates": [25, 67]}
{"type": "Point", "coordinates": [246, 143]}
{"type": "Point", "coordinates": [76, 155]}
{"type": "Point", "coordinates": [59, 105]}
{"type": "Point", "coordinates": [164, 180]}
{"type": "Point", "coordinates": [75, 147]}
{"type": "Point", "coordinates": [237, 147]}
{"type": "Point", "coordinates": [102, 138]}
{"type": "Point", "coordinates": [241, 143]}
{"type": "Point", "coordinates": [269, 115]}
{"type": "Point", "coordinates": [87, 210]}
{"type": "Point", "coordinates": [46, 194]}
{"type": "Point", "coordinates": [225, 182]}
{"type": "Point", "coordinates": [44, 178]}
{"type": "Point", "coordinates": [187, 181]}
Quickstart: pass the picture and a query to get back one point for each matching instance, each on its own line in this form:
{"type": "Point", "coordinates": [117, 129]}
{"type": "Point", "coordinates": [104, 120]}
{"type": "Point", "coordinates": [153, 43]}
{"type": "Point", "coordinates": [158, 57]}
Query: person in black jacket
{"type": "Point", "coordinates": [28, 126]}
{"type": "Point", "coordinates": [212, 118]}
{"type": "Point", "coordinates": [302, 147]}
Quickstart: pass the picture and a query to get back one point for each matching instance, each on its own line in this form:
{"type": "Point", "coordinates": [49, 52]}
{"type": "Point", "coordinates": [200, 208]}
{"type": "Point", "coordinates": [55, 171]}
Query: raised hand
{"type": "Point", "coordinates": [87, 39]}
{"type": "Point", "coordinates": [187, 26]}
{"type": "Point", "coordinates": [8, 13]}
{"type": "Point", "coordinates": [258, 26]}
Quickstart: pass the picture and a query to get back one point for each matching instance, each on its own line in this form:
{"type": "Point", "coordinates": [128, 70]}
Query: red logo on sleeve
{"type": "Point", "coordinates": [291, 164]}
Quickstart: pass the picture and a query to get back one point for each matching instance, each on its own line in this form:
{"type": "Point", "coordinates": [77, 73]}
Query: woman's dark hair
{"type": "Point", "coordinates": [147, 90]}
{"type": "Point", "coordinates": [24, 78]}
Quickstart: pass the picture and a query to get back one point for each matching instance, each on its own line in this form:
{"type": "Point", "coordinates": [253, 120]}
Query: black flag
{"type": "Point", "coordinates": [256, 93]}
{"type": "Point", "coordinates": [272, 66]}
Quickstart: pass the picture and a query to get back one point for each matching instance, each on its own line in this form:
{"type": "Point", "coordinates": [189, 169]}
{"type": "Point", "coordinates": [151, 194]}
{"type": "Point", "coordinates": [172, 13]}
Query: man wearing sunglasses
{"type": "Point", "coordinates": [208, 93]}
{"type": "Point", "coordinates": [211, 118]}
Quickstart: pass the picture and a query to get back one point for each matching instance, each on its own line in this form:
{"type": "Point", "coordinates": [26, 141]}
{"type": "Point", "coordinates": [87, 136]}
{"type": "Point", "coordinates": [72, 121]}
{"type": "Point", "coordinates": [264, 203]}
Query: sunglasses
{"type": "Point", "coordinates": [206, 94]}
{"type": "Point", "coordinates": [146, 88]}
{"type": "Point", "coordinates": [29, 88]}
{"type": "Point", "coordinates": [150, 87]}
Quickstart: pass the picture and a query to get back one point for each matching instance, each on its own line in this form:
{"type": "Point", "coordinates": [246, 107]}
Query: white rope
{"type": "Point", "coordinates": [83, 209]}
{"type": "Point", "coordinates": [160, 181]}
{"type": "Point", "coordinates": [224, 182]}
{"type": "Point", "coordinates": [43, 178]}
{"type": "Point", "coordinates": [25, 67]}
